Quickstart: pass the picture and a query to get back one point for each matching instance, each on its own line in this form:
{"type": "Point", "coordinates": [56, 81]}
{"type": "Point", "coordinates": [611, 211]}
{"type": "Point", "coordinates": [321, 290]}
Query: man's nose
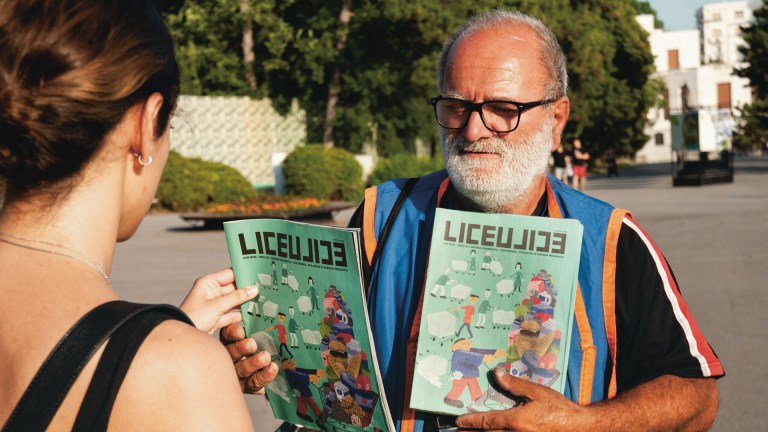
{"type": "Point", "coordinates": [475, 129]}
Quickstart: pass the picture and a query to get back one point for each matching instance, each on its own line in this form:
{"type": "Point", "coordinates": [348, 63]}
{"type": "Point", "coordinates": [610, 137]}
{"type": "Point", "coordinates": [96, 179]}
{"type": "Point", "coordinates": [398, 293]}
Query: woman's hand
{"type": "Point", "coordinates": [213, 299]}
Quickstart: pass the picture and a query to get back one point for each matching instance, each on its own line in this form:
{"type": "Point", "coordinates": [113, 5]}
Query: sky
{"type": "Point", "coordinates": [681, 14]}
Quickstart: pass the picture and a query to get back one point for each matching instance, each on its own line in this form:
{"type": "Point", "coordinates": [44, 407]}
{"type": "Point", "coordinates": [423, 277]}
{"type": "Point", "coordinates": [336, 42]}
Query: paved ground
{"type": "Point", "coordinates": [715, 237]}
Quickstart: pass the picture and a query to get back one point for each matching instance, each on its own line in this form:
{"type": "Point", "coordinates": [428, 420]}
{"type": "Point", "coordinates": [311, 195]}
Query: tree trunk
{"type": "Point", "coordinates": [249, 58]}
{"type": "Point", "coordinates": [334, 88]}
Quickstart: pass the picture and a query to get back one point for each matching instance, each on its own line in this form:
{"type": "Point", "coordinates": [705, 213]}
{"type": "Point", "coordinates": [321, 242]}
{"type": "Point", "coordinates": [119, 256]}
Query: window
{"type": "Point", "coordinates": [724, 95]}
{"type": "Point", "coordinates": [659, 139]}
{"type": "Point", "coordinates": [717, 32]}
{"type": "Point", "coordinates": [716, 16]}
{"type": "Point", "coordinates": [739, 14]}
{"type": "Point", "coordinates": [673, 59]}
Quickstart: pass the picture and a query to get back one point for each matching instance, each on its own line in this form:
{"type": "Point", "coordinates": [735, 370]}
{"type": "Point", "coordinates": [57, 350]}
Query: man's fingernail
{"type": "Point", "coordinates": [252, 290]}
{"type": "Point", "coordinates": [499, 371]}
{"type": "Point", "coordinates": [250, 344]}
{"type": "Point", "coordinates": [265, 356]}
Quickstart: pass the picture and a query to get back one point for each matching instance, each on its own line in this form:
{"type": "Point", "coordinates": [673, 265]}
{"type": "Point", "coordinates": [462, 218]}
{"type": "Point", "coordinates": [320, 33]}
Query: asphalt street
{"type": "Point", "coordinates": [715, 238]}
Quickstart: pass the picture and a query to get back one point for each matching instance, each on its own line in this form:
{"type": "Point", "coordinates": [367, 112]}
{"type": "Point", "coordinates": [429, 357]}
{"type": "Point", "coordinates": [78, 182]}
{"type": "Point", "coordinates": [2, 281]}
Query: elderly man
{"type": "Point", "coordinates": [637, 358]}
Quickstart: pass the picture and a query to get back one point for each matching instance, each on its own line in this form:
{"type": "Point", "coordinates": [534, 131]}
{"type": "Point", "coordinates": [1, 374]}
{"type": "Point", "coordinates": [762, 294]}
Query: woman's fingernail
{"type": "Point", "coordinates": [252, 290]}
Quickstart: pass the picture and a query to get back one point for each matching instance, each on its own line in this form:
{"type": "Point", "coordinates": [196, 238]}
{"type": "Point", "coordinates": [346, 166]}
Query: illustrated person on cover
{"type": "Point", "coordinates": [313, 293]}
{"type": "Point", "coordinates": [469, 313]}
{"type": "Point", "coordinates": [274, 275]}
{"type": "Point", "coordinates": [472, 262]}
{"type": "Point", "coordinates": [293, 327]}
{"type": "Point", "coordinates": [440, 283]}
{"type": "Point", "coordinates": [281, 334]}
{"type": "Point", "coordinates": [483, 309]}
{"type": "Point", "coordinates": [253, 305]}
{"type": "Point", "coordinates": [518, 275]}
{"type": "Point", "coordinates": [284, 275]}
{"type": "Point", "coordinates": [300, 379]}
{"type": "Point", "coordinates": [465, 368]}
{"type": "Point", "coordinates": [501, 110]}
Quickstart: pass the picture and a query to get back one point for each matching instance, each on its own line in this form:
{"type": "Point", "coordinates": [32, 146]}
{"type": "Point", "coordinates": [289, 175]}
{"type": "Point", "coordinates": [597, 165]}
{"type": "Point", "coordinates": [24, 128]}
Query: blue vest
{"type": "Point", "coordinates": [398, 278]}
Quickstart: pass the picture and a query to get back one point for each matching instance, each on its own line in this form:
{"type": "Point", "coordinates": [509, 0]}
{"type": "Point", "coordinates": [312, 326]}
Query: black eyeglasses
{"type": "Point", "coordinates": [497, 116]}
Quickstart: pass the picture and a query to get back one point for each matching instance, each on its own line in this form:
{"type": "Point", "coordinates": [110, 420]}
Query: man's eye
{"type": "Point", "coordinates": [502, 109]}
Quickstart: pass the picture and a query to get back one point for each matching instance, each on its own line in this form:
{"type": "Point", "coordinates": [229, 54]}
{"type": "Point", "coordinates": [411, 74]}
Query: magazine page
{"type": "Point", "coordinates": [499, 290]}
{"type": "Point", "coordinates": [311, 316]}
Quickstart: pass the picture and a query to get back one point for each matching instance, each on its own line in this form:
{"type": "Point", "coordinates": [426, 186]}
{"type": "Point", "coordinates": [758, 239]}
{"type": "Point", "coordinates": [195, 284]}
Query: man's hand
{"type": "Point", "coordinates": [253, 371]}
{"type": "Point", "coordinates": [663, 403]}
{"type": "Point", "coordinates": [544, 409]}
{"type": "Point", "coordinates": [212, 301]}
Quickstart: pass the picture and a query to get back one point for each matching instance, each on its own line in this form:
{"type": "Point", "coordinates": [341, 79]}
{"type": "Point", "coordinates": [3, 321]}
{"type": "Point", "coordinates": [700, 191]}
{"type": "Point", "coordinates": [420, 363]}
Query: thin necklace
{"type": "Point", "coordinates": [83, 258]}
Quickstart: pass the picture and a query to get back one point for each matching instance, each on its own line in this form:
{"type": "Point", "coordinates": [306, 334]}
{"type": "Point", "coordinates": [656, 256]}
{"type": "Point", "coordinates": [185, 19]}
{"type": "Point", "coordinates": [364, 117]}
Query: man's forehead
{"type": "Point", "coordinates": [496, 60]}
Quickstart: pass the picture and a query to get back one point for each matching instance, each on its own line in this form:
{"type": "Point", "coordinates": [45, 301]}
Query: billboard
{"type": "Point", "coordinates": [702, 130]}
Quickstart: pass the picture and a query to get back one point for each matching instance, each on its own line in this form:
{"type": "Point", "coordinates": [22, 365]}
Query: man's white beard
{"type": "Point", "coordinates": [493, 184]}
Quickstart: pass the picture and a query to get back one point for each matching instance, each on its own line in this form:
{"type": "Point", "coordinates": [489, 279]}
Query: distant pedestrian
{"type": "Point", "coordinates": [560, 163]}
{"type": "Point", "coordinates": [579, 161]}
{"type": "Point", "coordinates": [609, 157]}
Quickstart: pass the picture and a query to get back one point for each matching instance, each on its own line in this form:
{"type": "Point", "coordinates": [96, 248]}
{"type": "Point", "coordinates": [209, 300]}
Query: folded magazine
{"type": "Point", "coordinates": [311, 316]}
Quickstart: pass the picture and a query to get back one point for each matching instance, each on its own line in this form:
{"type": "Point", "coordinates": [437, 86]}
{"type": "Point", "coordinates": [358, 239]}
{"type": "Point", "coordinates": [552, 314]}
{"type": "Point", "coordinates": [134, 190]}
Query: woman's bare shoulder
{"type": "Point", "coordinates": [181, 378]}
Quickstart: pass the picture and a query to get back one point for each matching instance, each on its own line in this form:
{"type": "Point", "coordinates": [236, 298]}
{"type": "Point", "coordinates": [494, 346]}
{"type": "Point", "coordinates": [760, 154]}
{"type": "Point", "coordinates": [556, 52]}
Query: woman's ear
{"type": "Point", "coordinates": [146, 145]}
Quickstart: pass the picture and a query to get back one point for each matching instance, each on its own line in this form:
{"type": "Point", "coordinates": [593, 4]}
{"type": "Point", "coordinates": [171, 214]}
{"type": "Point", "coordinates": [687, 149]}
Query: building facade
{"type": "Point", "coordinates": [697, 69]}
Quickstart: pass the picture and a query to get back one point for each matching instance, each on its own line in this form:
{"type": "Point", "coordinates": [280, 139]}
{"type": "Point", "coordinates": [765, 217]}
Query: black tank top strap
{"type": "Point", "coordinates": [114, 363]}
{"type": "Point", "coordinates": [50, 385]}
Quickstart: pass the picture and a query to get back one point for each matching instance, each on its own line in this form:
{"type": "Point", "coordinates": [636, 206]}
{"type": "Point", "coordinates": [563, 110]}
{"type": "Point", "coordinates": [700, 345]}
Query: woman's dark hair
{"type": "Point", "coordinates": [69, 71]}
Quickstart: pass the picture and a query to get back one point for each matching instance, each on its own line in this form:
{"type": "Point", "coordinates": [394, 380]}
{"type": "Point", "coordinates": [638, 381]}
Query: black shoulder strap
{"type": "Point", "coordinates": [114, 363]}
{"type": "Point", "coordinates": [59, 371]}
{"type": "Point", "coordinates": [404, 192]}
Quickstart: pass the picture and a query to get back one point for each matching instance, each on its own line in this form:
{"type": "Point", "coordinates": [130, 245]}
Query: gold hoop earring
{"type": "Point", "coordinates": [143, 163]}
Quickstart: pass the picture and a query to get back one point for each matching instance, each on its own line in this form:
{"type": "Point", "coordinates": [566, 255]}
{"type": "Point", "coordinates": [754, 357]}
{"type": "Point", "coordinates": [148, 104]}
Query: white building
{"type": "Point", "coordinates": [696, 67]}
{"type": "Point", "coordinates": [720, 26]}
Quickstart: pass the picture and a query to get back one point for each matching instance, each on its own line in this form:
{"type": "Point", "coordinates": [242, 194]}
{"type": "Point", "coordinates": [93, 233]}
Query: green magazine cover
{"type": "Point", "coordinates": [499, 290]}
{"type": "Point", "coordinates": [311, 316]}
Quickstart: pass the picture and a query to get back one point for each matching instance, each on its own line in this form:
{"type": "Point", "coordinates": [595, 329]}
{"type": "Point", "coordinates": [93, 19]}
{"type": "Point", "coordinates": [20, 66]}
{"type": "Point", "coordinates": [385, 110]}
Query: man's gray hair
{"type": "Point", "coordinates": [552, 57]}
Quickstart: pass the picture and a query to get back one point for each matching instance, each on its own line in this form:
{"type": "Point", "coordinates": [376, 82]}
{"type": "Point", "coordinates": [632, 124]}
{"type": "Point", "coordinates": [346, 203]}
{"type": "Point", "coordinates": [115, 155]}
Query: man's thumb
{"type": "Point", "coordinates": [514, 385]}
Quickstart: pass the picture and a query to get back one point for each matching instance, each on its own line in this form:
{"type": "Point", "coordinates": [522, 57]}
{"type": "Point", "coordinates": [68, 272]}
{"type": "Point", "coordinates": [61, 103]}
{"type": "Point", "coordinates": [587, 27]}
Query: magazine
{"type": "Point", "coordinates": [311, 316]}
{"type": "Point", "coordinates": [499, 290]}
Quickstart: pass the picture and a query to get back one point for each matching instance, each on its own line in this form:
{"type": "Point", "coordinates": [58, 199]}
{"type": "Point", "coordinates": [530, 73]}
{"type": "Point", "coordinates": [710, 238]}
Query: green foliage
{"type": "Point", "coordinates": [190, 184]}
{"type": "Point", "coordinates": [323, 173]}
{"type": "Point", "coordinates": [388, 64]}
{"type": "Point", "coordinates": [609, 64]}
{"type": "Point", "coordinates": [645, 8]}
{"type": "Point", "coordinates": [403, 165]}
{"type": "Point", "coordinates": [752, 132]}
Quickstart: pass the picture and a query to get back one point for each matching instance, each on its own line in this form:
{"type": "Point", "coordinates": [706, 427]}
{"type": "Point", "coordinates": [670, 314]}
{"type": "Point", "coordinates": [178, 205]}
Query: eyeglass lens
{"type": "Point", "coordinates": [497, 116]}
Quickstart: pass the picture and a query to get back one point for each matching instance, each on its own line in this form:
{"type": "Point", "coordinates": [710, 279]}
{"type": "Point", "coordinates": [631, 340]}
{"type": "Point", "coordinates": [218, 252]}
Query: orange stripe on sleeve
{"type": "Point", "coordinates": [369, 230]}
{"type": "Point", "coordinates": [609, 290]}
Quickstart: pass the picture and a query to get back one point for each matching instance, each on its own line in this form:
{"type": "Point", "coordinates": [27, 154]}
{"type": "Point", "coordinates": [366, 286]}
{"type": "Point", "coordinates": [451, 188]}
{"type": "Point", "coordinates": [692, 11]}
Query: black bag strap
{"type": "Point", "coordinates": [404, 192]}
{"type": "Point", "coordinates": [50, 385]}
{"type": "Point", "coordinates": [113, 366]}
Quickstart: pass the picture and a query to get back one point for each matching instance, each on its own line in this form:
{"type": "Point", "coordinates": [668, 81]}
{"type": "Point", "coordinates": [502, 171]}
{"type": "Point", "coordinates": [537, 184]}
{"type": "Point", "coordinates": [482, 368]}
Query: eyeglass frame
{"type": "Point", "coordinates": [478, 107]}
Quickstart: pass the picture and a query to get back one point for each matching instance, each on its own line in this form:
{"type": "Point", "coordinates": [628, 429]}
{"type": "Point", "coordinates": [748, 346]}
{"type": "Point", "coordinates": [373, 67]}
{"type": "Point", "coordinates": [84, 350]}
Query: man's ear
{"type": "Point", "coordinates": [148, 135]}
{"type": "Point", "coordinates": [562, 110]}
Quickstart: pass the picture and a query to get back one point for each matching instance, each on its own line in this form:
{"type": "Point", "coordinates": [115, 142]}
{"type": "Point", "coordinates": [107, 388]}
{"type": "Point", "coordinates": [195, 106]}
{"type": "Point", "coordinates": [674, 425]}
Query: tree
{"type": "Point", "coordinates": [364, 70]}
{"type": "Point", "coordinates": [609, 65]}
{"type": "Point", "coordinates": [645, 8]}
{"type": "Point", "coordinates": [752, 133]}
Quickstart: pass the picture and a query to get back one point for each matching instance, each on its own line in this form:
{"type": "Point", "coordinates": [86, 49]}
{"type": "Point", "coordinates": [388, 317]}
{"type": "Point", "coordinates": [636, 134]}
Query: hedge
{"type": "Point", "coordinates": [403, 165]}
{"type": "Point", "coordinates": [314, 171]}
{"type": "Point", "coordinates": [191, 184]}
